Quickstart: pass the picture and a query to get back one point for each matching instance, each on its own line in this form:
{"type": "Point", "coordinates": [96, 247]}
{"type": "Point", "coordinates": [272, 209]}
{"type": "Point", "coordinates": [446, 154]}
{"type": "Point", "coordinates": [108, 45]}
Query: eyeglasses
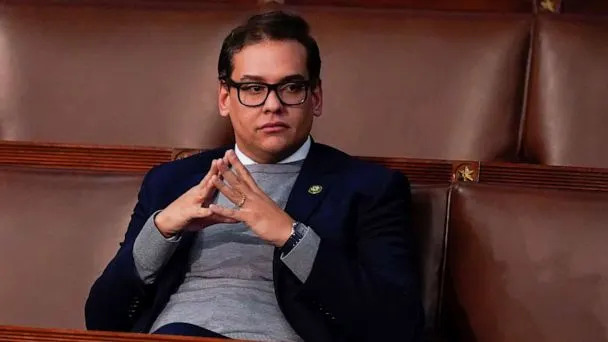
{"type": "Point", "coordinates": [254, 94]}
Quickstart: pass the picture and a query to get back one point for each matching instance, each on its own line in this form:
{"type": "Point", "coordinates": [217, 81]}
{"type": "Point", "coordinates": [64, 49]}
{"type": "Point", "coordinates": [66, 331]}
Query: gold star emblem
{"type": "Point", "coordinates": [466, 174]}
{"type": "Point", "coordinates": [548, 5]}
{"type": "Point", "coordinates": [315, 189]}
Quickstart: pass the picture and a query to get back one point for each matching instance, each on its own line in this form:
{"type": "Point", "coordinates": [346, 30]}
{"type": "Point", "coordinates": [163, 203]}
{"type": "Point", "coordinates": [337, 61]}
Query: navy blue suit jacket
{"type": "Point", "coordinates": [363, 285]}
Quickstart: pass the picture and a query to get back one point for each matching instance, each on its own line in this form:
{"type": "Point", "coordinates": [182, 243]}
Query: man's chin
{"type": "Point", "coordinates": [277, 146]}
{"type": "Point", "coordinates": [275, 149]}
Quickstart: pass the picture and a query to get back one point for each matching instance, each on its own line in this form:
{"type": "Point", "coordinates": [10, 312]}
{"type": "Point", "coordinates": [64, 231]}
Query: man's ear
{"type": "Point", "coordinates": [223, 99]}
{"type": "Point", "coordinates": [317, 99]}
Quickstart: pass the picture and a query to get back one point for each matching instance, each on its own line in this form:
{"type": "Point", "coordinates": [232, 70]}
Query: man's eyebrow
{"type": "Point", "coordinates": [295, 77]}
{"type": "Point", "coordinates": [251, 78]}
{"type": "Point", "coordinates": [254, 78]}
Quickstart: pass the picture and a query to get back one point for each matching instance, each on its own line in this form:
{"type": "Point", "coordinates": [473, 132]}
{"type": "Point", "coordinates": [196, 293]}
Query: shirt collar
{"type": "Point", "coordinates": [298, 155]}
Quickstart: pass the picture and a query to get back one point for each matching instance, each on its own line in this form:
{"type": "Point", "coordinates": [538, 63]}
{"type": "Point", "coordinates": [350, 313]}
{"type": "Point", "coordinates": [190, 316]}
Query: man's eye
{"type": "Point", "coordinates": [293, 87]}
{"type": "Point", "coordinates": [253, 88]}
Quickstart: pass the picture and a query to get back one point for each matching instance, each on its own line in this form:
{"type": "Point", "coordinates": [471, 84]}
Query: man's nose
{"type": "Point", "coordinates": [273, 104]}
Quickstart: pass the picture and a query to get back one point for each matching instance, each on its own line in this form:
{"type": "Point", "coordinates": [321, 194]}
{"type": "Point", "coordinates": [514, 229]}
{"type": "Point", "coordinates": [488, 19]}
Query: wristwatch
{"type": "Point", "coordinates": [298, 230]}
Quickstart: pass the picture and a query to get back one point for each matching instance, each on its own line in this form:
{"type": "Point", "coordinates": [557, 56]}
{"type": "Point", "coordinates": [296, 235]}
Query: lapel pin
{"type": "Point", "coordinates": [315, 189]}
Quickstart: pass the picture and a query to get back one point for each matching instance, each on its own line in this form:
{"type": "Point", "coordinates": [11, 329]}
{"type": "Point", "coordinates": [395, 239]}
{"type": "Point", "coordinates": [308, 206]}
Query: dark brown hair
{"type": "Point", "coordinates": [276, 25]}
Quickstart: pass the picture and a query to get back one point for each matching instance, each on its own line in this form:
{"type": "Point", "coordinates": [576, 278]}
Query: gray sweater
{"type": "Point", "coordinates": [229, 287]}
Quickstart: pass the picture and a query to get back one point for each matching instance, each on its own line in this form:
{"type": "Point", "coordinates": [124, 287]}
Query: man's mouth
{"type": "Point", "coordinates": [274, 127]}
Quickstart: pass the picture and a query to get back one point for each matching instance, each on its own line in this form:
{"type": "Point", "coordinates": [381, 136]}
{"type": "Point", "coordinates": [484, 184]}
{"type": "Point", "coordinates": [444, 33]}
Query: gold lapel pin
{"type": "Point", "coordinates": [315, 189]}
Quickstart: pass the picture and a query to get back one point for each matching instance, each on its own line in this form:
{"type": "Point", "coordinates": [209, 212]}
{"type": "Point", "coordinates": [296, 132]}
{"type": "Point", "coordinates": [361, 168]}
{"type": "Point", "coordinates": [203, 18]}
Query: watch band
{"type": "Point", "coordinates": [294, 238]}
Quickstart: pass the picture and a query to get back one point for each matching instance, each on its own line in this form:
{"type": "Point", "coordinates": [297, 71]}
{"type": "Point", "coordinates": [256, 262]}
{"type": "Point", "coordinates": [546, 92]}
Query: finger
{"type": "Point", "coordinates": [240, 170]}
{"type": "Point", "coordinates": [208, 175]}
{"type": "Point", "coordinates": [222, 219]}
{"type": "Point", "coordinates": [201, 213]}
{"type": "Point", "coordinates": [205, 186]}
{"type": "Point", "coordinates": [207, 194]}
{"type": "Point", "coordinates": [208, 215]}
{"type": "Point", "coordinates": [232, 195]}
{"type": "Point", "coordinates": [226, 212]}
{"type": "Point", "coordinates": [213, 170]}
{"type": "Point", "coordinates": [229, 176]}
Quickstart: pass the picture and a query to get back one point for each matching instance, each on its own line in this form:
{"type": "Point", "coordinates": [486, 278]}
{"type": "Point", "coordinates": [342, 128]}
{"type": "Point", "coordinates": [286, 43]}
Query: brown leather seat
{"type": "Point", "coordinates": [566, 119]}
{"type": "Point", "coordinates": [112, 75]}
{"type": "Point", "coordinates": [429, 207]}
{"type": "Point", "coordinates": [421, 85]}
{"type": "Point", "coordinates": [528, 264]}
{"type": "Point", "coordinates": [59, 229]}
{"type": "Point", "coordinates": [525, 264]}
{"type": "Point", "coordinates": [397, 83]}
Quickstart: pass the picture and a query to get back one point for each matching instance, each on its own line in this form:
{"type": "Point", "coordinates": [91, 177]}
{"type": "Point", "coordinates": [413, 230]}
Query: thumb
{"type": "Point", "coordinates": [202, 213]}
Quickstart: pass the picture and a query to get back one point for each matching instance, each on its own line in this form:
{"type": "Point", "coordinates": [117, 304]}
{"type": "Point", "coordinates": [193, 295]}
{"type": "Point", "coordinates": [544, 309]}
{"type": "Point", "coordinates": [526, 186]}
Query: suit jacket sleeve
{"type": "Point", "coordinates": [370, 289]}
{"type": "Point", "coordinates": [117, 295]}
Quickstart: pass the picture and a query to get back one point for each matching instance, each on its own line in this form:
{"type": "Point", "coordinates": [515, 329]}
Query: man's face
{"type": "Point", "coordinates": [271, 131]}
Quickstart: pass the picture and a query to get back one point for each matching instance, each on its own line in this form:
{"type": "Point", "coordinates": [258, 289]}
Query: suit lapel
{"type": "Point", "coordinates": [312, 184]}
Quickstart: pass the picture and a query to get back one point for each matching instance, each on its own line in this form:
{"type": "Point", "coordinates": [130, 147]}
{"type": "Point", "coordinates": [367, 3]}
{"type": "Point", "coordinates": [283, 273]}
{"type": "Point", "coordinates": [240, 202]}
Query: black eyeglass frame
{"type": "Point", "coordinates": [271, 87]}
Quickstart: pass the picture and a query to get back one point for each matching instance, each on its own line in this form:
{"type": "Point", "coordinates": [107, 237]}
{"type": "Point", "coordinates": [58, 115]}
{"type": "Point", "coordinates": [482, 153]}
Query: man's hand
{"type": "Point", "coordinates": [257, 210]}
{"type": "Point", "coordinates": [190, 211]}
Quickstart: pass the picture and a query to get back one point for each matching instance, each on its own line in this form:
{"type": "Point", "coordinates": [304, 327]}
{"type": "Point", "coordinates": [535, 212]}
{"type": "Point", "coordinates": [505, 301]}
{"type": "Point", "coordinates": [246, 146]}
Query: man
{"type": "Point", "coordinates": [280, 239]}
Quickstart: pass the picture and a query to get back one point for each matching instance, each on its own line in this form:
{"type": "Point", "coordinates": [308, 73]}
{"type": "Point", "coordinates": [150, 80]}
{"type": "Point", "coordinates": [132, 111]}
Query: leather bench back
{"type": "Point", "coordinates": [112, 75]}
{"type": "Point", "coordinates": [421, 85]}
{"type": "Point", "coordinates": [567, 118]}
{"type": "Point", "coordinates": [397, 83]}
{"type": "Point", "coordinates": [527, 264]}
{"type": "Point", "coordinates": [59, 230]}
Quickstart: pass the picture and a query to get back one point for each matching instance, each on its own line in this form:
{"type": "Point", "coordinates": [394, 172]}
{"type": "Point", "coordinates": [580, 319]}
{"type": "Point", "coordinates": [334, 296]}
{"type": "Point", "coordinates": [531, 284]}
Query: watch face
{"type": "Point", "coordinates": [299, 228]}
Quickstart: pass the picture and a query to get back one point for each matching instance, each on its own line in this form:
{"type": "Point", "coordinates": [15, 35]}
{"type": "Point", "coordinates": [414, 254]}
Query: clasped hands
{"type": "Point", "coordinates": [193, 210]}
